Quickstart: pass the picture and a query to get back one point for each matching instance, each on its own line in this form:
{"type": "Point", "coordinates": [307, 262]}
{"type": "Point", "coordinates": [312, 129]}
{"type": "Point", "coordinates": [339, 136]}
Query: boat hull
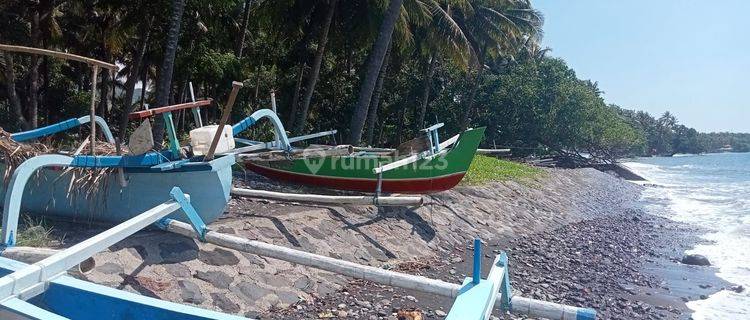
{"type": "Point", "coordinates": [47, 193]}
{"type": "Point", "coordinates": [355, 172]}
{"type": "Point", "coordinates": [81, 300]}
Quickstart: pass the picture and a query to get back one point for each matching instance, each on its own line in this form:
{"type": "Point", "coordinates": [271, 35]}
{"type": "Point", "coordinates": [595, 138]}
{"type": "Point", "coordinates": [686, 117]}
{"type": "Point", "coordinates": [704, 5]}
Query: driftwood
{"type": "Point", "coordinates": [315, 198]}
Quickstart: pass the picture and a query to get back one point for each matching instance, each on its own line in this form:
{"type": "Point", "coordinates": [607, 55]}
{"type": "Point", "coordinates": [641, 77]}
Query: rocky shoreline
{"type": "Point", "coordinates": [623, 265]}
{"type": "Point", "coordinates": [566, 234]}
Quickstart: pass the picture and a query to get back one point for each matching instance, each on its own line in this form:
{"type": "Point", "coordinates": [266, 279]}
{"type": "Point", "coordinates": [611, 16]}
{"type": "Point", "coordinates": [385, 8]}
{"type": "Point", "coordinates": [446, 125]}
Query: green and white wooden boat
{"type": "Point", "coordinates": [436, 166]}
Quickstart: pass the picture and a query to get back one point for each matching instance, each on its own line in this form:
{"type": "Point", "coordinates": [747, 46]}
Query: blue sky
{"type": "Point", "coordinates": [686, 56]}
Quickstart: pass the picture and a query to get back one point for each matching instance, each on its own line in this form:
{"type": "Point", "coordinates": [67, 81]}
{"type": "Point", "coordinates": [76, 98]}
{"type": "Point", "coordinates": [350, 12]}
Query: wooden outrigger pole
{"type": "Point", "coordinates": [504, 299]}
{"type": "Point", "coordinates": [95, 65]}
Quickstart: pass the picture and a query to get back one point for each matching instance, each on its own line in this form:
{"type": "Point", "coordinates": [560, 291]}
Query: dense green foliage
{"type": "Point", "coordinates": [374, 74]}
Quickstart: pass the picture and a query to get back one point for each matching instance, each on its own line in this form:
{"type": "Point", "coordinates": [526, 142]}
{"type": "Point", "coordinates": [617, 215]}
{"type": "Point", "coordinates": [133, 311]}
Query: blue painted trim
{"type": "Point", "coordinates": [82, 300]}
{"type": "Point", "coordinates": [243, 125]}
{"type": "Point", "coordinates": [145, 160]}
{"type": "Point", "coordinates": [29, 311]}
{"type": "Point", "coordinates": [279, 131]}
{"type": "Point", "coordinates": [15, 189]}
{"type": "Point", "coordinates": [174, 143]}
{"type": "Point", "coordinates": [585, 314]}
{"type": "Point", "coordinates": [477, 270]}
{"type": "Point", "coordinates": [505, 287]}
{"type": "Point", "coordinates": [195, 220]}
{"type": "Point", "coordinates": [169, 166]}
{"type": "Point", "coordinates": [45, 131]}
{"type": "Point", "coordinates": [62, 126]}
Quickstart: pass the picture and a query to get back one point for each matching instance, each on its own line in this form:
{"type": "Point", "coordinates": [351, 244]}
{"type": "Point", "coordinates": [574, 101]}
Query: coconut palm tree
{"type": "Point", "coordinates": [372, 70]}
{"type": "Point", "coordinates": [167, 67]}
{"type": "Point", "coordinates": [497, 29]}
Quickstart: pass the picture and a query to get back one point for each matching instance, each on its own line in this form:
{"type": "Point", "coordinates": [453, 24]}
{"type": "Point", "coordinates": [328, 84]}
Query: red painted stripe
{"type": "Point", "coordinates": [417, 185]}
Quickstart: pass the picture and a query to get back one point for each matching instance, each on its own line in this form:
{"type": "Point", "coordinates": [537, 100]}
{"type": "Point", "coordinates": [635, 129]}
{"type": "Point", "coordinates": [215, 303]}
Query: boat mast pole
{"type": "Point", "coordinates": [92, 113]}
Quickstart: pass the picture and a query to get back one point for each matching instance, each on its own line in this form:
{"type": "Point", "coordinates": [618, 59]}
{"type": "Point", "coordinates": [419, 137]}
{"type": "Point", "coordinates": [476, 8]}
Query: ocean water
{"type": "Point", "coordinates": [711, 191]}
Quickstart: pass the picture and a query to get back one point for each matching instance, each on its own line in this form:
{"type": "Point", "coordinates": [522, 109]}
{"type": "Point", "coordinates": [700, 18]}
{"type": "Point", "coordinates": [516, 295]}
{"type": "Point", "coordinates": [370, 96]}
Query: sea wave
{"type": "Point", "coordinates": [708, 191]}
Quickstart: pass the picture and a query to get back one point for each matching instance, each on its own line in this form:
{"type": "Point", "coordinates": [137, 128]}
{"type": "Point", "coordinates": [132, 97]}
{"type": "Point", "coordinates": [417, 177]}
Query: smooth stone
{"type": "Point", "coordinates": [178, 252]}
{"type": "Point", "coordinates": [250, 291]}
{"type": "Point", "coordinates": [224, 303]}
{"type": "Point", "coordinates": [216, 278]}
{"type": "Point", "coordinates": [110, 268]}
{"type": "Point", "coordinates": [190, 292]}
{"type": "Point", "coordinates": [218, 257]}
{"type": "Point", "coordinates": [695, 260]}
{"type": "Point", "coordinates": [177, 270]}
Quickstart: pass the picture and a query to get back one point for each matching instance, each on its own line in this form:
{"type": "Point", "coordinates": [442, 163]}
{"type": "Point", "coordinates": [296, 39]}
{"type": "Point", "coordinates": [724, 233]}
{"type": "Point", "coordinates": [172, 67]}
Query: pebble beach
{"type": "Point", "coordinates": [566, 232]}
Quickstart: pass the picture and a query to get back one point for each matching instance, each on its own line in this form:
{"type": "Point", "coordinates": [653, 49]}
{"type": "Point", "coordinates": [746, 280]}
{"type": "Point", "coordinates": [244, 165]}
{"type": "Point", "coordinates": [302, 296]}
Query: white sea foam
{"type": "Point", "coordinates": [712, 192]}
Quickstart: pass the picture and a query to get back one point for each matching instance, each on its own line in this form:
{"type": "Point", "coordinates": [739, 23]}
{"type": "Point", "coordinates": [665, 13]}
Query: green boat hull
{"type": "Point", "coordinates": [355, 172]}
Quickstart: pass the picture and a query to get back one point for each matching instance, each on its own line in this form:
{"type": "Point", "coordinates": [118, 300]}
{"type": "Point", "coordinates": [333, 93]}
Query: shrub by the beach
{"type": "Point", "coordinates": [486, 169]}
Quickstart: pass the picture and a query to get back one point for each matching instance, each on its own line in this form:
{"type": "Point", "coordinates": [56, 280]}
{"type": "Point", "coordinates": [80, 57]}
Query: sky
{"type": "Point", "coordinates": [689, 57]}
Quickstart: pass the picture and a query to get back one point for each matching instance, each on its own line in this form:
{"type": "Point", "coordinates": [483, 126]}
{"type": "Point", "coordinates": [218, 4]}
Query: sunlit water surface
{"type": "Point", "coordinates": [711, 191]}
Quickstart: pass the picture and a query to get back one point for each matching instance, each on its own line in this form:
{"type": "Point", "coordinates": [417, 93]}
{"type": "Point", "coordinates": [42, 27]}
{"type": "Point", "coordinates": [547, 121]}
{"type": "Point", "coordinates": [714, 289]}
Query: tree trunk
{"type": "Point", "coordinates": [164, 83]}
{"type": "Point", "coordinates": [429, 72]}
{"type": "Point", "coordinates": [295, 97]}
{"type": "Point", "coordinates": [135, 71]}
{"type": "Point", "coordinates": [469, 110]}
{"type": "Point", "coordinates": [10, 87]}
{"type": "Point", "coordinates": [243, 29]}
{"type": "Point", "coordinates": [36, 61]}
{"type": "Point", "coordinates": [315, 71]}
{"type": "Point", "coordinates": [105, 104]}
{"type": "Point", "coordinates": [374, 64]}
{"type": "Point", "coordinates": [372, 113]}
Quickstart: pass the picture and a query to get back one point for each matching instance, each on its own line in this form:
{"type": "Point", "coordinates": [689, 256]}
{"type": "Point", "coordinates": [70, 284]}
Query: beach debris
{"type": "Point", "coordinates": [409, 314]}
{"type": "Point", "coordinates": [695, 260]}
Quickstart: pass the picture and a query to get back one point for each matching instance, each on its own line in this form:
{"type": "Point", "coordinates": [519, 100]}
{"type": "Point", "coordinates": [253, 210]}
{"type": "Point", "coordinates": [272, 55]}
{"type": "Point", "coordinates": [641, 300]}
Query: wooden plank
{"type": "Point", "coordinates": [224, 118]}
{"type": "Point", "coordinates": [152, 112]}
{"type": "Point", "coordinates": [61, 55]}
{"type": "Point", "coordinates": [316, 198]}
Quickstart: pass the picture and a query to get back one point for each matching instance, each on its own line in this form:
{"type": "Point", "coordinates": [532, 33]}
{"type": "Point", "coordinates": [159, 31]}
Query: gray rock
{"type": "Point", "coordinates": [218, 257]}
{"type": "Point", "coordinates": [314, 233]}
{"type": "Point", "coordinates": [216, 278]}
{"type": "Point", "coordinates": [288, 298]}
{"type": "Point", "coordinates": [737, 288]}
{"type": "Point", "coordinates": [177, 252]}
{"type": "Point", "coordinates": [250, 291]}
{"type": "Point", "coordinates": [139, 251]}
{"type": "Point", "coordinates": [223, 302]}
{"type": "Point", "coordinates": [190, 292]}
{"type": "Point", "coordinates": [440, 313]}
{"type": "Point", "coordinates": [110, 268]}
{"type": "Point", "coordinates": [696, 260]}
{"type": "Point", "coordinates": [177, 270]}
{"type": "Point", "coordinates": [302, 283]}
{"type": "Point", "coordinates": [225, 229]}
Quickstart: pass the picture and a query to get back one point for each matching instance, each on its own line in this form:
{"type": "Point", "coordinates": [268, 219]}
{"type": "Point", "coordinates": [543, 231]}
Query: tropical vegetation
{"type": "Point", "coordinates": [376, 70]}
